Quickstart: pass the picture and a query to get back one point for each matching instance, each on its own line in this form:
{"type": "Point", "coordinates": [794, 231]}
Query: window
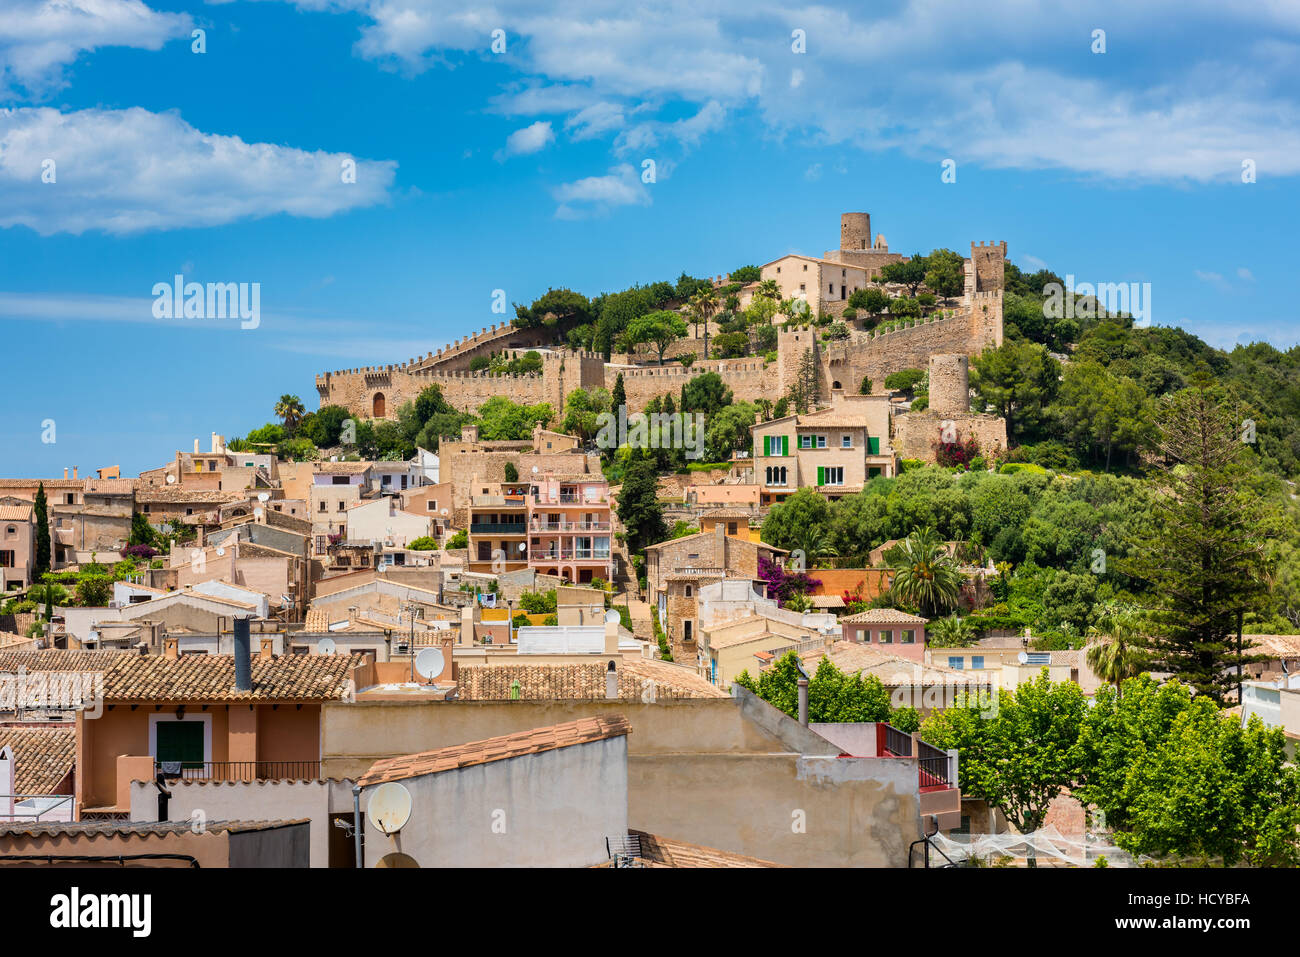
{"type": "Point", "coordinates": [688, 631]}
{"type": "Point", "coordinates": [322, 507]}
{"type": "Point", "coordinates": [873, 472]}
{"type": "Point", "coordinates": [887, 636]}
{"type": "Point", "coordinates": [340, 505]}
{"type": "Point", "coordinates": [846, 441]}
{"type": "Point", "coordinates": [803, 287]}
{"type": "Point", "coordinates": [776, 475]}
{"type": "Point", "coordinates": [805, 268]}
{"type": "Point", "coordinates": [11, 530]}
{"type": "Point", "coordinates": [776, 445]}
{"type": "Point", "coordinates": [689, 591]}
{"type": "Point", "coordinates": [830, 475]}
{"type": "Point", "coordinates": [430, 505]}
{"type": "Point", "coordinates": [189, 511]}
{"type": "Point", "coordinates": [821, 441]}
{"type": "Point", "coordinates": [956, 662]}
{"type": "Point", "coordinates": [977, 661]}
{"type": "Point", "coordinates": [805, 441]}
{"type": "Point", "coordinates": [909, 636]}
{"type": "Point", "coordinates": [6, 559]}
{"type": "Point", "coordinates": [338, 480]}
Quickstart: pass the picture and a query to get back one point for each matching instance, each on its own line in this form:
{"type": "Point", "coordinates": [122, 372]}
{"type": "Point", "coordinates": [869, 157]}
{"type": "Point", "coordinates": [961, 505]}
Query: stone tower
{"type": "Point", "coordinates": [949, 384]}
{"type": "Point", "coordinates": [855, 231]}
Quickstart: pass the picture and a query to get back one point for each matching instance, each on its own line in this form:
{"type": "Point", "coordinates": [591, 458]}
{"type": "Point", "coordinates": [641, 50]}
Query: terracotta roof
{"type": "Point", "coordinates": [664, 852]}
{"type": "Point", "coordinates": [341, 468]}
{"type": "Point", "coordinates": [137, 828]}
{"type": "Point", "coordinates": [725, 513]}
{"type": "Point", "coordinates": [131, 676]}
{"type": "Point", "coordinates": [582, 682]}
{"type": "Point", "coordinates": [826, 601]}
{"type": "Point", "coordinates": [182, 496]}
{"type": "Point", "coordinates": [884, 616]}
{"type": "Point", "coordinates": [15, 513]}
{"type": "Point", "coordinates": [48, 483]}
{"type": "Point", "coordinates": [582, 731]}
{"type": "Point", "coordinates": [114, 486]}
{"type": "Point", "coordinates": [43, 756]}
{"type": "Point", "coordinates": [1275, 646]}
{"type": "Point", "coordinates": [853, 657]}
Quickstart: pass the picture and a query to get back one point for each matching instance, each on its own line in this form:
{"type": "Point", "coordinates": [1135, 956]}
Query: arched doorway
{"type": "Point", "coordinates": [379, 406]}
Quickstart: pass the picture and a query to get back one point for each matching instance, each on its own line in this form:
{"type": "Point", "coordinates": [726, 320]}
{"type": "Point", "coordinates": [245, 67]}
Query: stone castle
{"type": "Point", "coordinates": [975, 324]}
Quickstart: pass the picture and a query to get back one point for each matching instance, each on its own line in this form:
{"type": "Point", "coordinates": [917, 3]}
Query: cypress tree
{"type": "Point", "coordinates": [41, 515]}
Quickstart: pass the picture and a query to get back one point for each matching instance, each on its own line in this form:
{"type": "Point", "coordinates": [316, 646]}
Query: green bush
{"type": "Point", "coordinates": [423, 544]}
{"type": "Point", "coordinates": [459, 540]}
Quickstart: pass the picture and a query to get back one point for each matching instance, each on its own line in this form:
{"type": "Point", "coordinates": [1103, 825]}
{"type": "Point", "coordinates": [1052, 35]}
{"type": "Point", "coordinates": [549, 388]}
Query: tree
{"type": "Point", "coordinates": [41, 518]}
{"type": "Point", "coordinates": [638, 505]}
{"type": "Point", "coordinates": [1204, 555]}
{"type": "Point", "coordinates": [458, 539]}
{"type": "Point", "coordinates": [290, 410]}
{"type": "Point", "coordinates": [946, 273]}
{"type": "Point", "coordinates": [1100, 411]}
{"type": "Point", "coordinates": [660, 329]}
{"type": "Point", "coordinates": [703, 305]}
{"type": "Point", "coordinates": [730, 345]}
{"type": "Point", "coordinates": [706, 393]}
{"type": "Point", "coordinates": [94, 591]}
{"type": "Point", "coordinates": [806, 388]}
{"type": "Point", "coordinates": [1023, 755]}
{"type": "Point", "coordinates": [787, 520]}
{"type": "Point", "coordinates": [728, 430]}
{"type": "Point", "coordinates": [905, 380]}
{"type": "Point", "coordinates": [324, 427]}
{"type": "Point", "coordinates": [558, 306]}
{"type": "Point", "coordinates": [1017, 379]}
{"type": "Point", "coordinates": [503, 420]}
{"type": "Point", "coordinates": [833, 696]}
{"type": "Point", "coordinates": [582, 410]}
{"type": "Point", "coordinates": [511, 473]}
{"type": "Point", "coordinates": [909, 272]}
{"type": "Point", "coordinates": [422, 544]}
{"type": "Point", "coordinates": [1121, 654]}
{"type": "Point", "coordinates": [951, 632]}
{"type": "Point", "coordinates": [746, 274]}
{"type": "Point", "coordinates": [768, 289]}
{"type": "Point", "coordinates": [924, 576]}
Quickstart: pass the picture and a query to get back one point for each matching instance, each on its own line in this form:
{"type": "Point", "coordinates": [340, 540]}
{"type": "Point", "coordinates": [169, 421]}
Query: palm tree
{"type": "Point", "coordinates": [951, 632]}
{"type": "Point", "coordinates": [1122, 652]}
{"type": "Point", "coordinates": [923, 574]}
{"type": "Point", "coordinates": [815, 544]}
{"type": "Point", "coordinates": [768, 289]}
{"type": "Point", "coordinates": [290, 410]}
{"type": "Point", "coordinates": [703, 305]}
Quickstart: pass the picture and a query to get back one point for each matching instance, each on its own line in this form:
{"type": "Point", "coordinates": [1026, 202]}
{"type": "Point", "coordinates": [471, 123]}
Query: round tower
{"type": "Point", "coordinates": [855, 231]}
{"type": "Point", "coordinates": [949, 384]}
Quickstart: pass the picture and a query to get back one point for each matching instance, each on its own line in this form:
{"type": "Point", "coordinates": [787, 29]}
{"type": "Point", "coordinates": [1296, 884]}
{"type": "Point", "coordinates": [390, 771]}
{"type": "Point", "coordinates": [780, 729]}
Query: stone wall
{"type": "Point", "coordinates": [917, 433]}
{"type": "Point", "coordinates": [949, 384]}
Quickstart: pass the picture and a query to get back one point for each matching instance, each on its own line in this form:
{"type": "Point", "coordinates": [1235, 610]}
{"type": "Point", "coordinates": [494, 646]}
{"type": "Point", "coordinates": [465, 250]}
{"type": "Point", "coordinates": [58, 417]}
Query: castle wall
{"type": "Point", "coordinates": [917, 433]}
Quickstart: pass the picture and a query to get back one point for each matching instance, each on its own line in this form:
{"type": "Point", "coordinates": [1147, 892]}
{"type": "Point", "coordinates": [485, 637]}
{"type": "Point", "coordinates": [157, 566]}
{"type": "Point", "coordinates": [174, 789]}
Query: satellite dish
{"type": "Point", "coordinates": [257, 512]}
{"type": "Point", "coordinates": [523, 546]}
{"type": "Point", "coordinates": [1022, 658]}
{"type": "Point", "coordinates": [534, 469]}
{"type": "Point", "coordinates": [429, 662]}
{"type": "Point", "coordinates": [220, 550]}
{"type": "Point", "coordinates": [389, 808]}
{"type": "Point", "coordinates": [171, 479]}
{"type": "Point", "coordinates": [327, 646]}
{"type": "Point", "coordinates": [397, 859]}
{"type": "Point", "coordinates": [263, 496]}
{"type": "Point", "coordinates": [612, 618]}
{"type": "Point", "coordinates": [444, 511]}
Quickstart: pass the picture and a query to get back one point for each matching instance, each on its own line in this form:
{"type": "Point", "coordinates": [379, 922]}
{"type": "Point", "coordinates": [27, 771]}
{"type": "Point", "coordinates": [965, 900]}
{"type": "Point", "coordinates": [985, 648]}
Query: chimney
{"type": "Point", "coordinates": [243, 663]}
{"type": "Point", "coordinates": [803, 701]}
{"type": "Point", "coordinates": [65, 473]}
{"type": "Point", "coordinates": [196, 446]}
{"type": "Point", "coordinates": [611, 682]}
{"type": "Point", "coordinates": [267, 649]}
{"type": "Point", "coordinates": [611, 637]}
{"type": "Point", "coordinates": [171, 648]}
{"type": "Point", "coordinates": [74, 471]}
{"type": "Point", "coordinates": [467, 625]}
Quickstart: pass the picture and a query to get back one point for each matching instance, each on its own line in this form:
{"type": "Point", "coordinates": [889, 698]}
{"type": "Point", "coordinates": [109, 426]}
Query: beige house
{"type": "Point", "coordinates": [819, 282]}
{"type": "Point", "coordinates": [834, 450]}
{"type": "Point", "coordinates": [17, 543]}
{"type": "Point", "coordinates": [381, 520]}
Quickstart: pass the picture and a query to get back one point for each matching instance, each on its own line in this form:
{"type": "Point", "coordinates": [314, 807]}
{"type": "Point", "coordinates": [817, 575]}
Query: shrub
{"type": "Point", "coordinates": [459, 540]}
{"type": "Point", "coordinates": [422, 544]}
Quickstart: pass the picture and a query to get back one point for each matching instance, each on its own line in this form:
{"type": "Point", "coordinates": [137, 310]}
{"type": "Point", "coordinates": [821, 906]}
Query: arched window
{"type": "Point", "coordinates": [379, 406]}
{"type": "Point", "coordinates": [836, 385]}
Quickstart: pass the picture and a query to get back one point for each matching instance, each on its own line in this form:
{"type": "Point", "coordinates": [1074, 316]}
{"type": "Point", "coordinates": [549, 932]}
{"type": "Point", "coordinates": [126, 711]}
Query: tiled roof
{"type": "Point", "coordinates": [884, 616]}
{"type": "Point", "coordinates": [1275, 646]}
{"type": "Point", "coordinates": [113, 486]}
{"type": "Point", "coordinates": [853, 657]}
{"type": "Point", "coordinates": [664, 852]}
{"type": "Point", "coordinates": [341, 468]}
{"type": "Point", "coordinates": [582, 682]}
{"type": "Point", "coordinates": [130, 676]}
{"type": "Point", "coordinates": [725, 513]}
{"type": "Point", "coordinates": [181, 496]}
{"type": "Point", "coordinates": [48, 483]}
{"type": "Point", "coordinates": [826, 601]}
{"type": "Point", "coordinates": [43, 756]}
{"type": "Point", "coordinates": [15, 513]}
{"type": "Point", "coordinates": [136, 828]}
{"type": "Point", "coordinates": [582, 731]}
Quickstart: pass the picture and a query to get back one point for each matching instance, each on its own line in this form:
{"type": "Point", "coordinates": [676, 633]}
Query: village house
{"type": "Point", "coordinates": [17, 543]}
{"type": "Point", "coordinates": [834, 450]}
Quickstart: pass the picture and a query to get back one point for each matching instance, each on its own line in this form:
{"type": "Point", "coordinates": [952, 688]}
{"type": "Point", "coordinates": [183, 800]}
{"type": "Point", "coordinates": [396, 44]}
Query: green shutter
{"type": "Point", "coordinates": [767, 445]}
{"type": "Point", "coordinates": [873, 445]}
{"type": "Point", "coordinates": [821, 475]}
{"type": "Point", "coordinates": [785, 445]}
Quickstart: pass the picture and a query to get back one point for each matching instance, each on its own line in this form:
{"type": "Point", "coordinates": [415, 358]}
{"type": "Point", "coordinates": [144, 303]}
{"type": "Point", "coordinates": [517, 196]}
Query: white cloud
{"type": "Point", "coordinates": [813, 173]}
{"type": "Point", "coordinates": [127, 171]}
{"type": "Point", "coordinates": [1246, 274]}
{"type": "Point", "coordinates": [530, 139]}
{"type": "Point", "coordinates": [594, 120]}
{"type": "Point", "coordinates": [1033, 262]}
{"type": "Point", "coordinates": [1005, 83]}
{"type": "Point", "coordinates": [39, 38]}
{"type": "Point", "coordinates": [597, 195]}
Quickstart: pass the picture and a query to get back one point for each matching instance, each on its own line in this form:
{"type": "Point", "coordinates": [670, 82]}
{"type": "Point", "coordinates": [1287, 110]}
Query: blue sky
{"type": "Point", "coordinates": [518, 170]}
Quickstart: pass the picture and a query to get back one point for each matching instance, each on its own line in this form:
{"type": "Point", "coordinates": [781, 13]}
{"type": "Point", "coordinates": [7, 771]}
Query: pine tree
{"type": "Point", "coordinates": [1205, 554]}
{"type": "Point", "coordinates": [618, 400]}
{"type": "Point", "coordinates": [638, 504]}
{"type": "Point", "coordinates": [41, 515]}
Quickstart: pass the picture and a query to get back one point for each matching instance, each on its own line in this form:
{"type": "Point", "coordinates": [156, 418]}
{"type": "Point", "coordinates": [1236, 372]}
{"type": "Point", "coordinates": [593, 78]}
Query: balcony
{"type": "Point", "coordinates": [563, 526]}
{"type": "Point", "coordinates": [570, 554]}
{"type": "Point", "coordinates": [934, 765]}
{"type": "Point", "coordinates": [498, 528]}
{"type": "Point", "coordinates": [242, 770]}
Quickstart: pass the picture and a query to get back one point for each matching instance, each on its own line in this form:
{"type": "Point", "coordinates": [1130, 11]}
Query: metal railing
{"type": "Point", "coordinates": [898, 743]}
{"type": "Point", "coordinates": [240, 770]}
{"type": "Point", "coordinates": [34, 813]}
{"type": "Point", "coordinates": [498, 528]}
{"type": "Point", "coordinates": [569, 527]}
{"type": "Point", "coordinates": [934, 766]}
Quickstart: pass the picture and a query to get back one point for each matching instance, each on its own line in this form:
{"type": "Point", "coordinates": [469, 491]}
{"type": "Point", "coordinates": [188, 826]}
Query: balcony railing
{"type": "Point", "coordinates": [562, 554]}
{"type": "Point", "coordinates": [498, 528]}
{"type": "Point", "coordinates": [934, 767]}
{"type": "Point", "coordinates": [898, 743]}
{"type": "Point", "coordinates": [569, 527]}
{"type": "Point", "coordinates": [933, 764]}
{"type": "Point", "coordinates": [240, 770]}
